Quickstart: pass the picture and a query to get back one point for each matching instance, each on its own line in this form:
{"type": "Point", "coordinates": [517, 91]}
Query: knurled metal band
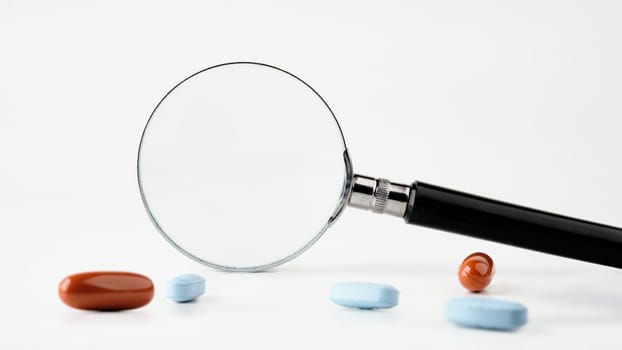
{"type": "Point", "coordinates": [381, 195]}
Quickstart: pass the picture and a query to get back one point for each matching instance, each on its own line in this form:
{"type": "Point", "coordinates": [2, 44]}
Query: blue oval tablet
{"type": "Point", "coordinates": [184, 288]}
{"type": "Point", "coordinates": [482, 312]}
{"type": "Point", "coordinates": [364, 295]}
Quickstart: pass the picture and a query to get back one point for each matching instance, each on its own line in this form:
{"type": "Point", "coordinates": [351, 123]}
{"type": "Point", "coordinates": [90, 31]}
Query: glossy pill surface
{"type": "Point", "coordinates": [476, 271]}
{"type": "Point", "coordinates": [483, 312]}
{"type": "Point", "coordinates": [184, 288]}
{"type": "Point", "coordinates": [363, 295]}
{"type": "Point", "coordinates": [106, 290]}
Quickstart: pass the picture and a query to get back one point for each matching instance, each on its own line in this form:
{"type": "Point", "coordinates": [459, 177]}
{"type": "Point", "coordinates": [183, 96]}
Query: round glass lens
{"type": "Point", "coordinates": [243, 166]}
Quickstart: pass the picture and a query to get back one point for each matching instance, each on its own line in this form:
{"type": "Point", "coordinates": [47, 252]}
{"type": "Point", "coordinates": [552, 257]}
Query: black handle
{"type": "Point", "coordinates": [470, 215]}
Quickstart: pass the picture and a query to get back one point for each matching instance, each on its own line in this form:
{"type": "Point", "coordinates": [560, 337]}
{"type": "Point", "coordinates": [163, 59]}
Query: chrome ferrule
{"type": "Point", "coordinates": [379, 195]}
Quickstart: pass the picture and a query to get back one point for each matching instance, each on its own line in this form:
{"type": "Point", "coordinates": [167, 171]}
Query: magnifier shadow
{"type": "Point", "coordinates": [588, 305]}
{"type": "Point", "coordinates": [406, 269]}
{"type": "Point", "coordinates": [260, 272]}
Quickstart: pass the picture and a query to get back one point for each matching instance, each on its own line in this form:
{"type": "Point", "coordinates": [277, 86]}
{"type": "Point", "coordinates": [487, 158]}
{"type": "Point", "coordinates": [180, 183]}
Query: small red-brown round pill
{"type": "Point", "coordinates": [106, 290]}
{"type": "Point", "coordinates": [475, 272]}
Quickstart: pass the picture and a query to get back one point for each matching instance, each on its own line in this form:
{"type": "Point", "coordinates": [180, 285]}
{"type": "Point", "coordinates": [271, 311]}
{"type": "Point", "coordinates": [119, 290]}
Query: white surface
{"type": "Point", "coordinates": [516, 100]}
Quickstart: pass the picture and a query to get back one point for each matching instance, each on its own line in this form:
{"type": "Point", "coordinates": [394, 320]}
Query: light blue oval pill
{"type": "Point", "coordinates": [184, 288]}
{"type": "Point", "coordinates": [363, 295]}
{"type": "Point", "coordinates": [482, 312]}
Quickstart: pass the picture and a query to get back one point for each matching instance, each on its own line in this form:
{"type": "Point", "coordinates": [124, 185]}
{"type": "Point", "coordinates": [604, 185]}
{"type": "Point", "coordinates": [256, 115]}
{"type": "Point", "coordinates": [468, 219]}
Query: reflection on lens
{"type": "Point", "coordinates": [241, 166]}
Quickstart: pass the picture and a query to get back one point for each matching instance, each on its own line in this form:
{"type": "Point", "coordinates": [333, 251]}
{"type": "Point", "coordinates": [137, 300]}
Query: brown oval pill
{"type": "Point", "coordinates": [106, 290]}
{"type": "Point", "coordinates": [475, 272]}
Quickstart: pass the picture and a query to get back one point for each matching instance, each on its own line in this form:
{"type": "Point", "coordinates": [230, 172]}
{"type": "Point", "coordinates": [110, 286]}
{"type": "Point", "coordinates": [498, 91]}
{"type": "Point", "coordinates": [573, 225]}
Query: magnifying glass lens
{"type": "Point", "coordinates": [241, 166]}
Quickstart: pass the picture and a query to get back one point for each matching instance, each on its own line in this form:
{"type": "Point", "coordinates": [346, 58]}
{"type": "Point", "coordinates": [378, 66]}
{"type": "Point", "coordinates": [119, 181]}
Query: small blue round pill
{"type": "Point", "coordinates": [363, 295]}
{"type": "Point", "coordinates": [482, 312]}
{"type": "Point", "coordinates": [184, 288]}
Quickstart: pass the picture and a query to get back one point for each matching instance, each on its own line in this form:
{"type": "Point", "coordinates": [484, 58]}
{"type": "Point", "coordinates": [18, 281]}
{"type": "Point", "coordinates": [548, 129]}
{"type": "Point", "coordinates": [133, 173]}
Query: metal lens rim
{"type": "Point", "coordinates": [345, 193]}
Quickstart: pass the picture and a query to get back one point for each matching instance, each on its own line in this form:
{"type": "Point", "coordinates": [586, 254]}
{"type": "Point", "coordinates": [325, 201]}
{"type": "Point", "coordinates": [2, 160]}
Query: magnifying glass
{"type": "Point", "coordinates": [243, 166]}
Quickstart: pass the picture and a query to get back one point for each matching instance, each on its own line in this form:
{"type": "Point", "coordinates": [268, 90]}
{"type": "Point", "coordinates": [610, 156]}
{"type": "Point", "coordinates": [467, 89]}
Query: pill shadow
{"type": "Point", "coordinates": [364, 315]}
{"type": "Point", "coordinates": [495, 290]}
{"type": "Point", "coordinates": [192, 307]}
{"type": "Point", "coordinates": [81, 317]}
{"type": "Point", "coordinates": [482, 329]}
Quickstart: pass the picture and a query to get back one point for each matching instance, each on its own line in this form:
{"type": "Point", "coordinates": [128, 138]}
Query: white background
{"type": "Point", "coordinates": [516, 100]}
